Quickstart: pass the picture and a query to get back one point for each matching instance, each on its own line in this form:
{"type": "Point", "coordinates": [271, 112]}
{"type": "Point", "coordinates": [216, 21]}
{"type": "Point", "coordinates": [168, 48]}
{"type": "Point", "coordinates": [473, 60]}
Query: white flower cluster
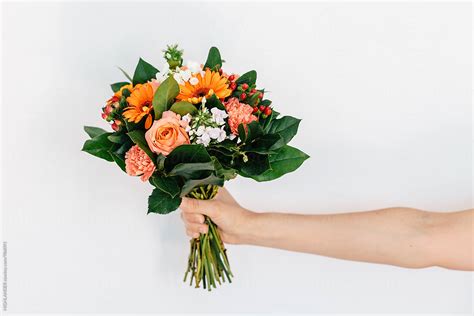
{"type": "Point", "coordinates": [207, 127]}
{"type": "Point", "coordinates": [181, 76]}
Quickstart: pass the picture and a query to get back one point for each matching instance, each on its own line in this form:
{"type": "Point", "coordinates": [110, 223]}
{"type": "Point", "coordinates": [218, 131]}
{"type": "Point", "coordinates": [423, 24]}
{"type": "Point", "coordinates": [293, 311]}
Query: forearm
{"type": "Point", "coordinates": [397, 236]}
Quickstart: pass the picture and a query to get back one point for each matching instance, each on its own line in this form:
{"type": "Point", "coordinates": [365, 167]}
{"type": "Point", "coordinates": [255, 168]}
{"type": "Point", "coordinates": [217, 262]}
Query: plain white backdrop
{"type": "Point", "coordinates": [384, 91]}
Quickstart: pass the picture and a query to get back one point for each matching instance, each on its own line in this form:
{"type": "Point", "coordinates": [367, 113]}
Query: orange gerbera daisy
{"type": "Point", "coordinates": [211, 83]}
{"type": "Point", "coordinates": [140, 104]}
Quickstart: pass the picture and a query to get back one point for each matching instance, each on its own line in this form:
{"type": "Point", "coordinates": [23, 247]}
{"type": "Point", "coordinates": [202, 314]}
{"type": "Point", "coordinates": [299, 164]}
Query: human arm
{"type": "Point", "coordinates": [398, 236]}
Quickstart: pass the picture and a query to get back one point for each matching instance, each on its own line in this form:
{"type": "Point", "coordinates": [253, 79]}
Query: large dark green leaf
{"type": "Point", "coordinates": [99, 146]}
{"type": "Point", "coordinates": [183, 107]}
{"type": "Point", "coordinates": [116, 86]}
{"type": "Point", "coordinates": [191, 184]}
{"type": "Point", "coordinates": [119, 160]}
{"type": "Point", "coordinates": [164, 96]}
{"type": "Point", "coordinates": [94, 131]}
{"type": "Point", "coordinates": [223, 172]}
{"type": "Point", "coordinates": [186, 154]}
{"type": "Point", "coordinates": [138, 137]}
{"type": "Point", "coordinates": [256, 164]}
{"type": "Point", "coordinates": [214, 61]}
{"type": "Point", "coordinates": [287, 126]}
{"type": "Point", "coordinates": [162, 203]}
{"type": "Point", "coordinates": [267, 144]}
{"type": "Point", "coordinates": [252, 132]}
{"type": "Point", "coordinates": [193, 170]}
{"type": "Point", "coordinates": [166, 184]}
{"type": "Point", "coordinates": [118, 138]}
{"type": "Point", "coordinates": [144, 72]}
{"type": "Point", "coordinates": [249, 78]}
{"type": "Point", "coordinates": [287, 159]}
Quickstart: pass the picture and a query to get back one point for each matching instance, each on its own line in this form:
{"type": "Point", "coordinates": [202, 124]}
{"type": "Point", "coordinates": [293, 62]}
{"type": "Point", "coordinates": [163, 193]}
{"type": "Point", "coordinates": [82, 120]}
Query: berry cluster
{"type": "Point", "coordinates": [251, 96]}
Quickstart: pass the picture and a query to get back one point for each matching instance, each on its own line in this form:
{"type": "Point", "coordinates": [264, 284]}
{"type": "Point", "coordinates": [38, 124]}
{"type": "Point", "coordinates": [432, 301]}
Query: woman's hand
{"type": "Point", "coordinates": [232, 219]}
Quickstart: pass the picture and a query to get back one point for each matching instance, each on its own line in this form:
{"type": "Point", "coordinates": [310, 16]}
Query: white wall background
{"type": "Point", "coordinates": [384, 91]}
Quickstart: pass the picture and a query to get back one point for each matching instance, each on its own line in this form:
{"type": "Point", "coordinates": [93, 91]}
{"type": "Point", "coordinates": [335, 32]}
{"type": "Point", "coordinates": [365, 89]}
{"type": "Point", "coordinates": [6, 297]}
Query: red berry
{"type": "Point", "coordinates": [262, 108]}
{"type": "Point", "coordinates": [268, 111]}
{"type": "Point", "coordinates": [115, 127]}
{"type": "Point", "coordinates": [253, 91]}
{"type": "Point", "coordinates": [243, 96]}
{"type": "Point", "coordinates": [260, 96]}
{"type": "Point", "coordinates": [233, 85]}
{"type": "Point", "coordinates": [245, 86]}
{"type": "Point", "coordinates": [220, 71]}
{"type": "Point", "coordinates": [255, 110]}
{"type": "Point", "coordinates": [231, 77]}
{"type": "Point", "coordinates": [104, 116]}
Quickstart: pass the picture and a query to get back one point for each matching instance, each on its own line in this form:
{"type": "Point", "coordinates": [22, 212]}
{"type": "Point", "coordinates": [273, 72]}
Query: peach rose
{"type": "Point", "coordinates": [167, 133]}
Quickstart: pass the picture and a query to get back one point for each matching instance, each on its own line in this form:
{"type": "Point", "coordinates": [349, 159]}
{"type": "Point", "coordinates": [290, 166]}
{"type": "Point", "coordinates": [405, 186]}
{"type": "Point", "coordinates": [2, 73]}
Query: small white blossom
{"type": "Point", "coordinates": [204, 140]}
{"type": "Point", "coordinates": [187, 118]}
{"type": "Point", "coordinates": [178, 78]}
{"type": "Point", "coordinates": [201, 130]}
{"type": "Point", "coordinates": [213, 132]}
{"type": "Point", "coordinates": [193, 66]}
{"type": "Point", "coordinates": [194, 81]}
{"type": "Point", "coordinates": [218, 116]}
{"type": "Point", "coordinates": [222, 135]}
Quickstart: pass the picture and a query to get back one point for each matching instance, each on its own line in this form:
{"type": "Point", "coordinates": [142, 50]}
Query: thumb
{"type": "Point", "coordinates": [194, 206]}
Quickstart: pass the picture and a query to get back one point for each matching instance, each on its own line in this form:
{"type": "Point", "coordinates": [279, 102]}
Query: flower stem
{"type": "Point", "coordinates": [207, 261]}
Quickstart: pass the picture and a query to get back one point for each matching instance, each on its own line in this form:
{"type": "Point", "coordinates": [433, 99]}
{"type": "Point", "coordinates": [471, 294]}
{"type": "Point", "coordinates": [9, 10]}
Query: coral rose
{"type": "Point", "coordinates": [167, 133]}
{"type": "Point", "coordinates": [239, 113]}
{"type": "Point", "coordinates": [137, 163]}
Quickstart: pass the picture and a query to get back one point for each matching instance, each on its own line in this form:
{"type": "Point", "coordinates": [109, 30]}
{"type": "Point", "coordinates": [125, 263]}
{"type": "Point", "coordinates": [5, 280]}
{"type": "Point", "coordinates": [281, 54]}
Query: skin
{"type": "Point", "coordinates": [399, 236]}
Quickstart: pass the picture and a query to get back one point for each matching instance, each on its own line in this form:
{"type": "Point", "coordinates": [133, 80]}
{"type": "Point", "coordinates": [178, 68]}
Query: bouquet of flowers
{"type": "Point", "coordinates": [186, 130]}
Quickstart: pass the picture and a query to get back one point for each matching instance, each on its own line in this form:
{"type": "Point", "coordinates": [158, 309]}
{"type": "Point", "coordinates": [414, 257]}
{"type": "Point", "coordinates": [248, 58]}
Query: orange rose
{"type": "Point", "coordinates": [167, 133]}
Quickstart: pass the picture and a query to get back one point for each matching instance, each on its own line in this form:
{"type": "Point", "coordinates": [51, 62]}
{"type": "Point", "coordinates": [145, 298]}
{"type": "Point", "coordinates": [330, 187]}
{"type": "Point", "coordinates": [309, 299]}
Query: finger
{"type": "Point", "coordinates": [192, 234]}
{"type": "Point", "coordinates": [192, 218]}
{"type": "Point", "coordinates": [197, 228]}
{"type": "Point", "coordinates": [208, 208]}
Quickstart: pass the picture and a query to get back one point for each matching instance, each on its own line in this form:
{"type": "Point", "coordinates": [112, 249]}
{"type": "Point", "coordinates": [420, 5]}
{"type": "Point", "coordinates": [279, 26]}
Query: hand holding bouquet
{"type": "Point", "coordinates": [186, 130]}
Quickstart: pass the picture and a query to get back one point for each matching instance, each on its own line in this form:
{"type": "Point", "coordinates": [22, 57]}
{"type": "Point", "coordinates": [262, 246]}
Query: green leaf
{"type": "Point", "coordinates": [214, 102]}
{"type": "Point", "coordinates": [162, 203]}
{"type": "Point", "coordinates": [166, 184]}
{"type": "Point", "coordinates": [186, 154]}
{"type": "Point", "coordinates": [222, 172]}
{"type": "Point", "coordinates": [214, 61]}
{"type": "Point", "coordinates": [164, 96]}
{"type": "Point", "coordinates": [144, 72]}
{"type": "Point", "coordinates": [255, 165]}
{"type": "Point", "coordinates": [119, 160]}
{"type": "Point", "coordinates": [116, 86]}
{"type": "Point", "coordinates": [183, 107]}
{"type": "Point", "coordinates": [118, 138]}
{"type": "Point", "coordinates": [286, 160]}
{"type": "Point", "coordinates": [191, 184]}
{"type": "Point", "coordinates": [267, 144]}
{"type": "Point", "coordinates": [126, 74]}
{"type": "Point", "coordinates": [249, 78]}
{"type": "Point", "coordinates": [138, 137]}
{"type": "Point", "coordinates": [286, 126]}
{"type": "Point", "coordinates": [94, 131]}
{"type": "Point", "coordinates": [193, 170]}
{"type": "Point", "coordinates": [254, 130]}
{"type": "Point", "coordinates": [99, 146]}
